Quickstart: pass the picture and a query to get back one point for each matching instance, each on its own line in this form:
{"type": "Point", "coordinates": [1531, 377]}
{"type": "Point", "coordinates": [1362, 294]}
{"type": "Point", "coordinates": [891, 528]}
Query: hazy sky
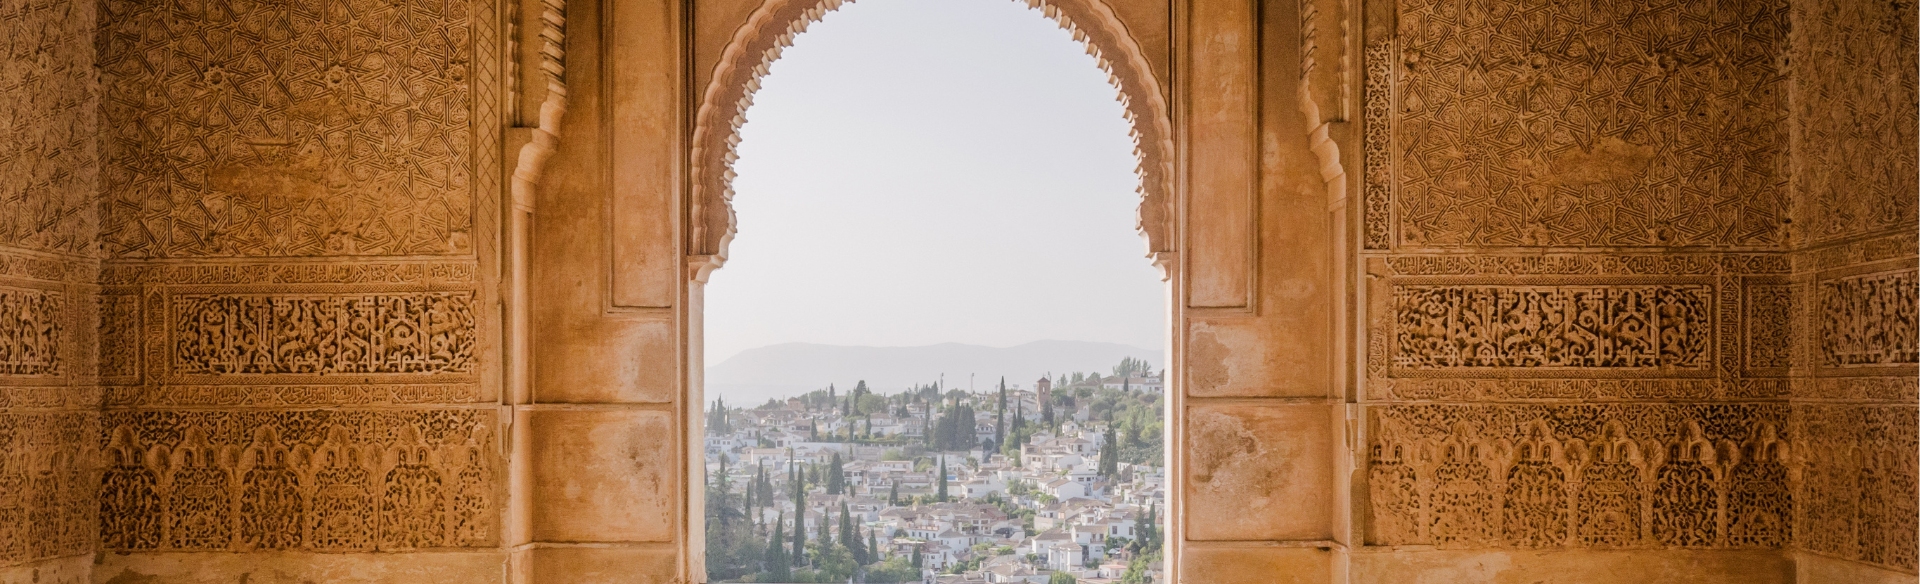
{"type": "Point", "coordinates": [925, 171]}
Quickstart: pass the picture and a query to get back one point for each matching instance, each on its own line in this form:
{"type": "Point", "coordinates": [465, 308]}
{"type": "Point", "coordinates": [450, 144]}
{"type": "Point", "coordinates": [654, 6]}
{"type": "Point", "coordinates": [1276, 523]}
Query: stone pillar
{"type": "Point", "coordinates": [606, 473]}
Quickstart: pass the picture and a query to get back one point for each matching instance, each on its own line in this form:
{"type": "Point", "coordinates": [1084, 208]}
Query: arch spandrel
{"type": "Point", "coordinates": [748, 56]}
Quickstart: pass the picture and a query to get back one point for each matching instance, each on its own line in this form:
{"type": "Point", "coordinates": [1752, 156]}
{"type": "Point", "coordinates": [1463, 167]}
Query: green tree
{"type": "Point", "coordinates": [1000, 415]}
{"type": "Point", "coordinates": [873, 547]}
{"type": "Point", "coordinates": [893, 495]}
{"type": "Point", "coordinates": [778, 567]}
{"type": "Point", "coordinates": [1110, 454]}
{"type": "Point", "coordinates": [851, 538]}
{"type": "Point", "coordinates": [799, 515]}
{"type": "Point", "coordinates": [917, 565]}
{"type": "Point", "coordinates": [836, 476]}
{"type": "Point", "coordinates": [941, 493]}
{"type": "Point", "coordinates": [894, 570]}
{"type": "Point", "coordinates": [1061, 578]}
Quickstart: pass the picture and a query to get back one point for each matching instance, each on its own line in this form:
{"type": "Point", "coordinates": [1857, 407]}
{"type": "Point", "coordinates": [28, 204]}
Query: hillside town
{"type": "Point", "coordinates": [1058, 482]}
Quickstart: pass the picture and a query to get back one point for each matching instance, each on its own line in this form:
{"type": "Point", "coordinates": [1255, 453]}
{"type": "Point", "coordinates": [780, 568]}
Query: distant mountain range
{"type": "Point", "coordinates": [779, 371]}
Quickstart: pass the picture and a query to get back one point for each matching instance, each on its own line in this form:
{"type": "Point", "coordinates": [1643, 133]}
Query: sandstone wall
{"type": "Point", "coordinates": [301, 348]}
{"type": "Point", "coordinates": [1846, 319]}
{"type": "Point", "coordinates": [1640, 275]}
{"type": "Point", "coordinates": [49, 394]}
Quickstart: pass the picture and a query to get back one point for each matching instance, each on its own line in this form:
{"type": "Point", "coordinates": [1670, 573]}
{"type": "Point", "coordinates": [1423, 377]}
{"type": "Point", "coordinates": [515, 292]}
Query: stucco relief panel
{"type": "Point", "coordinates": [1855, 89]}
{"type": "Point", "coordinates": [291, 335]}
{"type": "Point", "coordinates": [1548, 476]}
{"type": "Point", "coordinates": [32, 327]}
{"type": "Point", "coordinates": [1869, 320]}
{"type": "Point", "coordinates": [319, 480]}
{"type": "Point", "coordinates": [47, 483]}
{"type": "Point", "coordinates": [47, 126]}
{"type": "Point", "coordinates": [336, 127]}
{"type": "Point", "coordinates": [1577, 124]}
{"type": "Point", "coordinates": [1568, 326]}
{"type": "Point", "coordinates": [1857, 488]}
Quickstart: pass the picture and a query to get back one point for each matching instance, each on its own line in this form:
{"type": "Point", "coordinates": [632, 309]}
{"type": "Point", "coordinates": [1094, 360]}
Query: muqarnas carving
{"type": "Point", "coordinates": [299, 480]}
{"type": "Point", "coordinates": [1869, 320]}
{"type": "Point", "coordinates": [1629, 123]}
{"type": "Point", "coordinates": [332, 127]}
{"type": "Point", "coordinates": [48, 126]}
{"type": "Point", "coordinates": [31, 325]}
{"type": "Point", "coordinates": [47, 483]}
{"type": "Point", "coordinates": [1441, 328]}
{"type": "Point", "coordinates": [1857, 491]}
{"type": "Point", "coordinates": [321, 334]}
{"type": "Point", "coordinates": [1695, 476]}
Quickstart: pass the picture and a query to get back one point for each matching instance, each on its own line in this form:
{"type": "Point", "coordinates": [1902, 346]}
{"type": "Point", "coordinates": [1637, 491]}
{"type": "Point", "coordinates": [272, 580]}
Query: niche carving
{"type": "Point", "coordinates": [316, 480]}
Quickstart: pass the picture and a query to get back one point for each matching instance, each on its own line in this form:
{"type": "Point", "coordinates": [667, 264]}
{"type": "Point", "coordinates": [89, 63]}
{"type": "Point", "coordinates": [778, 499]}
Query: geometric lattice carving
{"type": "Point", "coordinates": [1870, 320]}
{"type": "Point", "coordinates": [1538, 476]}
{"type": "Point", "coordinates": [1552, 327]}
{"type": "Point", "coordinates": [332, 127]}
{"type": "Point", "coordinates": [1855, 89]}
{"type": "Point", "coordinates": [299, 480]}
{"type": "Point", "coordinates": [319, 334]}
{"type": "Point", "coordinates": [47, 126]}
{"type": "Point", "coordinates": [31, 325]}
{"type": "Point", "coordinates": [1524, 123]}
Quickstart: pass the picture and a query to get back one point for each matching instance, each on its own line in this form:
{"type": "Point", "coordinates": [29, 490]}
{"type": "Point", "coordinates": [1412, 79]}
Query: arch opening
{"type": "Point", "coordinates": [990, 440]}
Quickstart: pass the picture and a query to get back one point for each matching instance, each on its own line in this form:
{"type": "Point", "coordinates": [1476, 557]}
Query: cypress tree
{"type": "Point", "coordinates": [799, 511]}
{"type": "Point", "coordinates": [836, 476]}
{"type": "Point", "coordinates": [777, 565]}
{"type": "Point", "coordinates": [916, 558]}
{"type": "Point", "coordinates": [941, 495]}
{"type": "Point", "coordinates": [893, 495]}
{"type": "Point", "coordinates": [1110, 454]}
{"type": "Point", "coordinates": [1000, 415]}
{"type": "Point", "coordinates": [851, 538]}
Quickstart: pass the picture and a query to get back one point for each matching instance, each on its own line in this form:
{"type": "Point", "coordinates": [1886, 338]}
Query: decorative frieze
{"type": "Point", "coordinates": [1557, 329]}
{"type": "Point", "coordinates": [323, 334]}
{"type": "Point", "coordinates": [318, 480]}
{"type": "Point", "coordinates": [1870, 320]}
{"type": "Point", "coordinates": [1539, 476]}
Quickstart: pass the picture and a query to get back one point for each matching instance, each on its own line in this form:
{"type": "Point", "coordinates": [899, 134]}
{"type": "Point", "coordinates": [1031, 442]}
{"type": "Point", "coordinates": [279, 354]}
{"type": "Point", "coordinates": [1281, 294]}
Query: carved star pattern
{"type": "Point", "coordinates": [1637, 123]}
{"type": "Point", "coordinates": [271, 128]}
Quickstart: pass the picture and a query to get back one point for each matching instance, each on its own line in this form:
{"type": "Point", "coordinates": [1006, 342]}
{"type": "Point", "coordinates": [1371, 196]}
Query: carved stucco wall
{"type": "Point", "coordinates": [298, 349]}
{"type": "Point", "coordinates": [1640, 275]}
{"type": "Point", "coordinates": [1849, 309]}
{"type": "Point", "coordinates": [49, 418]}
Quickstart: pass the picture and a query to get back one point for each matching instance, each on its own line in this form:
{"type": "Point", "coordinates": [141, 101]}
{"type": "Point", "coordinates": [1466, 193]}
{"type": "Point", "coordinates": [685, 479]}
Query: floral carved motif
{"type": "Point", "coordinates": [1857, 489]}
{"type": "Point", "coordinates": [228, 334]}
{"type": "Point", "coordinates": [298, 480]}
{"type": "Point", "coordinates": [1870, 320]}
{"type": "Point", "coordinates": [1631, 123]}
{"type": "Point", "coordinates": [1454, 328]}
{"type": "Point", "coordinates": [32, 323]}
{"type": "Point", "coordinates": [336, 127]}
{"type": "Point", "coordinates": [47, 484]}
{"type": "Point", "coordinates": [1769, 322]}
